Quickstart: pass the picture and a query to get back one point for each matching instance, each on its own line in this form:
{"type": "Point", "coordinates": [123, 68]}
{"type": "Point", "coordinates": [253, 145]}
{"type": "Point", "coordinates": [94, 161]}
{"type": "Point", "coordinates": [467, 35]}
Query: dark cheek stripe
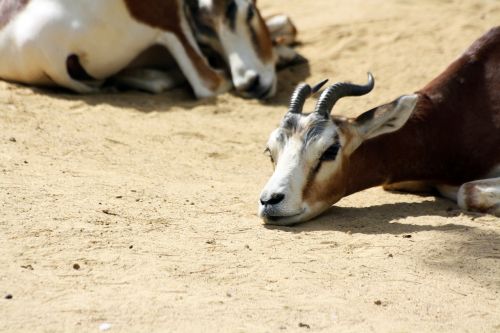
{"type": "Point", "coordinates": [231, 11]}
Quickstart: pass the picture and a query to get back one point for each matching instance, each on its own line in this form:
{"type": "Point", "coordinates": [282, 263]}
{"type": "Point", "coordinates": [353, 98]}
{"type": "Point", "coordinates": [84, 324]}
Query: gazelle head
{"type": "Point", "coordinates": [311, 152]}
{"type": "Point", "coordinates": [235, 31]}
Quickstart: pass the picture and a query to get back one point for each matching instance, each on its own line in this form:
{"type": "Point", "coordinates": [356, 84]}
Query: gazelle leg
{"type": "Point", "coordinates": [448, 191]}
{"type": "Point", "coordinates": [284, 34]}
{"type": "Point", "coordinates": [409, 186]}
{"type": "Point", "coordinates": [282, 30]}
{"type": "Point", "coordinates": [204, 80]}
{"type": "Point", "coordinates": [481, 196]}
{"type": "Point", "coordinates": [61, 77]}
{"type": "Point", "coordinates": [150, 80]}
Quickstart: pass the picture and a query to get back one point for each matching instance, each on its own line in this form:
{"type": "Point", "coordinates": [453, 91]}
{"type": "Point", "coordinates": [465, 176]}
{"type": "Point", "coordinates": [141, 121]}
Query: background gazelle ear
{"type": "Point", "coordinates": [386, 118]}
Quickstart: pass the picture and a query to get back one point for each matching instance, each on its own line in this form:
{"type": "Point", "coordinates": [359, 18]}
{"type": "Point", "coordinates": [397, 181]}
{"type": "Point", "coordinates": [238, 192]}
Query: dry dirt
{"type": "Point", "coordinates": [154, 199]}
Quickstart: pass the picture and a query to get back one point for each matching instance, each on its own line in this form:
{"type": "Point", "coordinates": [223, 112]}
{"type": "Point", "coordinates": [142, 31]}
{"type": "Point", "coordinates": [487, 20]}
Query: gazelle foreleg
{"type": "Point", "coordinates": [205, 81]}
{"type": "Point", "coordinates": [284, 36]}
{"type": "Point", "coordinates": [481, 196]}
{"type": "Point", "coordinates": [410, 186]}
{"type": "Point", "coordinates": [148, 79]}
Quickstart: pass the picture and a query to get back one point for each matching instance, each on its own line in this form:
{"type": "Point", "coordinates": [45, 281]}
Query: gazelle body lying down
{"type": "Point", "coordinates": [446, 136]}
{"type": "Point", "coordinates": [78, 44]}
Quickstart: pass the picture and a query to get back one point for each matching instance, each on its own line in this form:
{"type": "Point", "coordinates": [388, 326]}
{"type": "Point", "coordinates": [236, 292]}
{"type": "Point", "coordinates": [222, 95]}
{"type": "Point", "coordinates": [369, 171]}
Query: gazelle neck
{"type": "Point", "coordinates": [410, 153]}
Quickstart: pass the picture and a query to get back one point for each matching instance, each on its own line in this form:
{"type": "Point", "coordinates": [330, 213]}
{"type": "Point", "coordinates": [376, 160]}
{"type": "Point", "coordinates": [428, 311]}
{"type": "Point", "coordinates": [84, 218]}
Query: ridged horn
{"type": "Point", "coordinates": [301, 93]}
{"type": "Point", "coordinates": [342, 89]}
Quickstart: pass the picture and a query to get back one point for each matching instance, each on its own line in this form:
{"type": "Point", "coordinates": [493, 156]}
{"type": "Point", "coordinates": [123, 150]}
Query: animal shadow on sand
{"type": "Point", "coordinates": [381, 219]}
{"type": "Point", "coordinates": [467, 250]}
{"type": "Point", "coordinates": [180, 97]}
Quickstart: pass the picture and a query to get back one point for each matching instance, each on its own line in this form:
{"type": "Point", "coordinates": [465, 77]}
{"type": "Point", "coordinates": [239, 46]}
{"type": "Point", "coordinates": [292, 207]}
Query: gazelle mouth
{"type": "Point", "coordinates": [282, 219]}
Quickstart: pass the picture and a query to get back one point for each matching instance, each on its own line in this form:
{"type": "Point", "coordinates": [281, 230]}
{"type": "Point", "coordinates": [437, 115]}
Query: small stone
{"type": "Point", "coordinates": [104, 326]}
{"type": "Point", "coordinates": [119, 196]}
{"type": "Point", "coordinates": [390, 255]}
{"type": "Point", "coordinates": [228, 294]}
{"type": "Point", "coordinates": [210, 241]}
{"type": "Point", "coordinates": [8, 296]}
{"type": "Point", "coordinates": [131, 246]}
{"type": "Point", "coordinates": [378, 302]}
{"type": "Point", "coordinates": [76, 266]}
{"type": "Point", "coordinates": [12, 139]}
{"type": "Point", "coordinates": [304, 325]}
{"type": "Point", "coordinates": [406, 236]}
{"type": "Point", "coordinates": [25, 162]}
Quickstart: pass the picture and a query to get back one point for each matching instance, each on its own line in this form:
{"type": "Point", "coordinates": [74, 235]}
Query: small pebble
{"type": "Point", "coordinates": [25, 162]}
{"type": "Point", "coordinates": [119, 196]}
{"type": "Point", "coordinates": [210, 241]}
{"type": "Point", "coordinates": [8, 296]}
{"type": "Point", "coordinates": [104, 326]}
{"type": "Point", "coordinates": [390, 255]}
{"type": "Point", "coordinates": [304, 325]}
{"type": "Point", "coordinates": [131, 246]}
{"type": "Point", "coordinates": [76, 266]}
{"type": "Point", "coordinates": [406, 236]}
{"type": "Point", "coordinates": [12, 139]}
{"type": "Point", "coordinates": [378, 302]}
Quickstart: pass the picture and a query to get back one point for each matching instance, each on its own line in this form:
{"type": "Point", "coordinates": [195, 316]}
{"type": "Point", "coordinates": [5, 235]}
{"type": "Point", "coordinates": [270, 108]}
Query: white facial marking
{"type": "Point", "coordinates": [297, 151]}
{"type": "Point", "coordinates": [248, 71]}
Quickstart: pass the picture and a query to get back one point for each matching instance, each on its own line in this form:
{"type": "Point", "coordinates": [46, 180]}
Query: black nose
{"type": "Point", "coordinates": [253, 85]}
{"type": "Point", "coordinates": [275, 198]}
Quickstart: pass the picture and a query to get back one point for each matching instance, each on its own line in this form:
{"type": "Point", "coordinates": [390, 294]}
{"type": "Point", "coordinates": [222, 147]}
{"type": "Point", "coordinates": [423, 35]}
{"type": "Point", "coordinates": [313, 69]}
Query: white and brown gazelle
{"type": "Point", "coordinates": [78, 44]}
{"type": "Point", "coordinates": [445, 136]}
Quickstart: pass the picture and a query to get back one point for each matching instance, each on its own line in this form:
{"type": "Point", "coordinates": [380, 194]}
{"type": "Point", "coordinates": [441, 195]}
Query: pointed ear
{"type": "Point", "coordinates": [386, 118]}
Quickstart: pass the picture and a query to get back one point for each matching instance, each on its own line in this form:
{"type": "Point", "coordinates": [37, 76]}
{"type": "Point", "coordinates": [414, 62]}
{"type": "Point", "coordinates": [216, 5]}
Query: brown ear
{"type": "Point", "coordinates": [386, 118]}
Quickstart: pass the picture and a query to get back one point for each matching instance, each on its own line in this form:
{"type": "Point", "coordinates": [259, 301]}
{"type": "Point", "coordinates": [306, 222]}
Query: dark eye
{"type": "Point", "coordinates": [250, 13]}
{"type": "Point", "coordinates": [331, 153]}
{"type": "Point", "coordinates": [268, 153]}
{"type": "Point", "coordinates": [231, 11]}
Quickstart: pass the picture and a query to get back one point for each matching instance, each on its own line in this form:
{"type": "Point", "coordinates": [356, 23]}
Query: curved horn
{"type": "Point", "coordinates": [342, 89]}
{"type": "Point", "coordinates": [301, 93]}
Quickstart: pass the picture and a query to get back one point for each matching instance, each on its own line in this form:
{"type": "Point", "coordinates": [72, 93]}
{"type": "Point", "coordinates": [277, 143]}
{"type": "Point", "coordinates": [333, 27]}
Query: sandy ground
{"type": "Point", "coordinates": [155, 198]}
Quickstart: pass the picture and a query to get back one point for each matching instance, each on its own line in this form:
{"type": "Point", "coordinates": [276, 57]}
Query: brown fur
{"type": "Point", "coordinates": [165, 15]}
{"type": "Point", "coordinates": [452, 137]}
{"type": "Point", "coordinates": [262, 41]}
{"type": "Point", "coordinates": [263, 44]}
{"type": "Point", "coordinates": [9, 9]}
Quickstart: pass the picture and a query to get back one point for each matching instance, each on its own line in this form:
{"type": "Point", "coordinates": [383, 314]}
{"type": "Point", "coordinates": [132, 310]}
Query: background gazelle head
{"type": "Point", "coordinates": [311, 153]}
{"type": "Point", "coordinates": [235, 31]}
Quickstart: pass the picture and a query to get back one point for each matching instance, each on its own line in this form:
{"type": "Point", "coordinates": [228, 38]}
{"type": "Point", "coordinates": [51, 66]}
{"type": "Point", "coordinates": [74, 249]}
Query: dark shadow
{"type": "Point", "coordinates": [464, 249]}
{"type": "Point", "coordinates": [378, 219]}
{"type": "Point", "coordinates": [288, 78]}
{"type": "Point", "coordinates": [141, 101]}
{"type": "Point", "coordinates": [181, 97]}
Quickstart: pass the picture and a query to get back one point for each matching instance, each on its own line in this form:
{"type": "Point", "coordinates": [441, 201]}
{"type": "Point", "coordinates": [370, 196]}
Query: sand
{"type": "Point", "coordinates": [154, 200]}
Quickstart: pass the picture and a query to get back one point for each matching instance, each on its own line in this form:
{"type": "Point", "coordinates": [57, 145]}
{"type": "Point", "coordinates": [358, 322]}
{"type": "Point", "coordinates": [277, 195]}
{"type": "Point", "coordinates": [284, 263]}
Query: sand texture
{"type": "Point", "coordinates": [154, 200]}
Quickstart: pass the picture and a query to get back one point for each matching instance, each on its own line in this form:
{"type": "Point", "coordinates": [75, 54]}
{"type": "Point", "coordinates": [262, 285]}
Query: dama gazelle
{"type": "Point", "coordinates": [445, 136]}
{"type": "Point", "coordinates": [78, 44]}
